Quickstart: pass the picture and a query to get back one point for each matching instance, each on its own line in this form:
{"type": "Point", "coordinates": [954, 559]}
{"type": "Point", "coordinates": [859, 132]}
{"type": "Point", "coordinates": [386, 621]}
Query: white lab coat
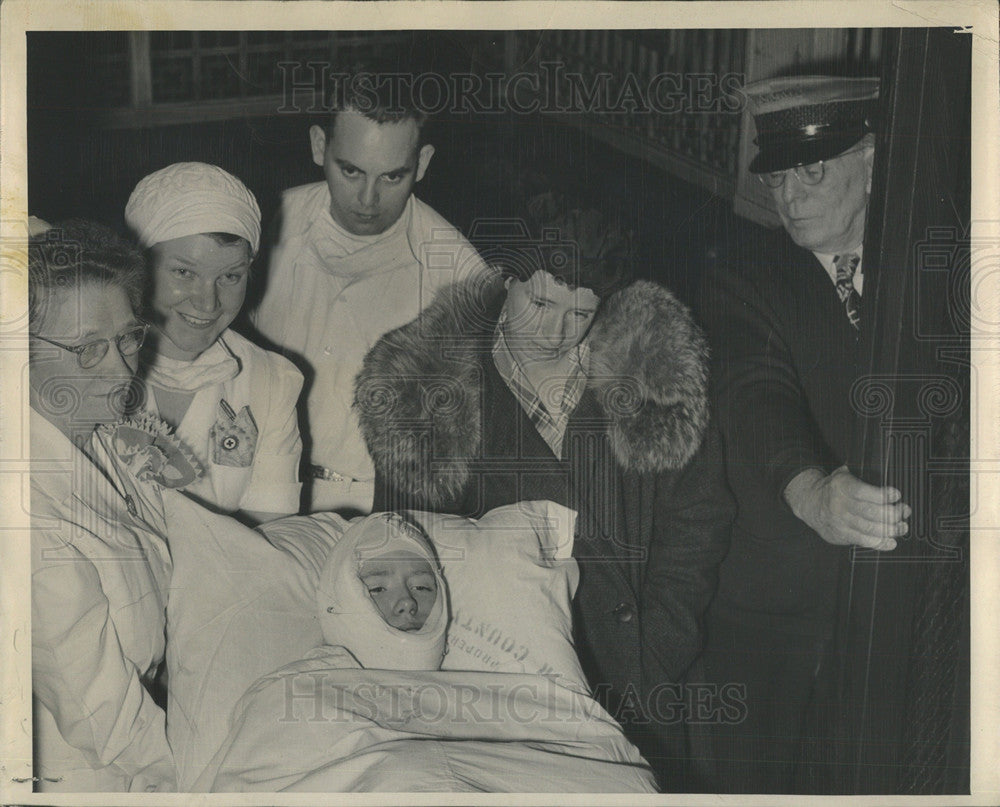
{"type": "Point", "coordinates": [327, 308]}
{"type": "Point", "coordinates": [98, 594]}
{"type": "Point", "coordinates": [269, 385]}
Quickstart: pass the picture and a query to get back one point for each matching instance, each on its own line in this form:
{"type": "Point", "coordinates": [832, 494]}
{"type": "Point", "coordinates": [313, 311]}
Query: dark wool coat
{"type": "Point", "coordinates": [784, 363]}
{"type": "Point", "coordinates": [642, 466]}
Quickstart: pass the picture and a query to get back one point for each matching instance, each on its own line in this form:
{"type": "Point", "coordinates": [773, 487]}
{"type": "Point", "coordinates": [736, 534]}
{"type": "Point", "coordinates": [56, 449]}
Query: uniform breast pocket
{"type": "Point", "coordinates": [233, 437]}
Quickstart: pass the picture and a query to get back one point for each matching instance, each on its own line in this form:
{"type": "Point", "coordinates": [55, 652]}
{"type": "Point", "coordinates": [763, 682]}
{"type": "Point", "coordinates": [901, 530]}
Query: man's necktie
{"type": "Point", "coordinates": [846, 265]}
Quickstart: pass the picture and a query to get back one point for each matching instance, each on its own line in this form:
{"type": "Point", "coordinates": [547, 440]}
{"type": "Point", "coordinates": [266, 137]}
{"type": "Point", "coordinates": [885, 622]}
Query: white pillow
{"type": "Point", "coordinates": [239, 607]}
{"type": "Point", "coordinates": [242, 605]}
{"type": "Point", "coordinates": [511, 579]}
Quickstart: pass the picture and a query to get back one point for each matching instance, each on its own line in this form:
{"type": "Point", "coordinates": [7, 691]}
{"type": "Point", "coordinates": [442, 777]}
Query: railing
{"type": "Point", "coordinates": [669, 97]}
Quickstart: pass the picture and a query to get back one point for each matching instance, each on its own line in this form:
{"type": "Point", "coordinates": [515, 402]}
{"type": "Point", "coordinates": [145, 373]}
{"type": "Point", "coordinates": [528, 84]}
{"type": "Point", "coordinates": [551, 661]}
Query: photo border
{"type": "Point", "coordinates": [978, 19]}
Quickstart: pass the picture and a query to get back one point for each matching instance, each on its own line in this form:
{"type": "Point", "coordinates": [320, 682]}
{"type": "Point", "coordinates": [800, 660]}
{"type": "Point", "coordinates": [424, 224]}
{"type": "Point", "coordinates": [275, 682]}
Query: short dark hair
{"type": "Point", "coordinates": [76, 252]}
{"type": "Point", "coordinates": [367, 87]}
{"type": "Point", "coordinates": [581, 247]}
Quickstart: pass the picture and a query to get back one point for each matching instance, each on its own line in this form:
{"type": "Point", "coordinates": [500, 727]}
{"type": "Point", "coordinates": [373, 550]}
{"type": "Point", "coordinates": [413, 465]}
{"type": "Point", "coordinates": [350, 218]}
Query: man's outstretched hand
{"type": "Point", "coordinates": [844, 510]}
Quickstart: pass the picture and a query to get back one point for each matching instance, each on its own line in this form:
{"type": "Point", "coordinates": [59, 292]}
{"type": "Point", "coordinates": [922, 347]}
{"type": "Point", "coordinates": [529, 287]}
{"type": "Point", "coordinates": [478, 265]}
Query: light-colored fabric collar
{"type": "Point", "coordinates": [48, 443]}
{"type": "Point", "coordinates": [91, 462]}
{"type": "Point", "coordinates": [339, 252]}
{"type": "Point", "coordinates": [354, 242]}
{"type": "Point", "coordinates": [550, 417]}
{"type": "Point", "coordinates": [216, 365]}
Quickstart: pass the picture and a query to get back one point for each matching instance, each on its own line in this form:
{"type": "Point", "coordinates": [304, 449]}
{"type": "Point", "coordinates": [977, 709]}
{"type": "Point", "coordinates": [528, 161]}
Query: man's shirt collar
{"type": "Point", "coordinates": [550, 422]}
{"type": "Point", "coordinates": [831, 270]}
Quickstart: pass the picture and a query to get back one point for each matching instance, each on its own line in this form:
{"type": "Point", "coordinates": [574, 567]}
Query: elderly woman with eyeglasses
{"type": "Point", "coordinates": [231, 402]}
{"type": "Point", "coordinates": [99, 573]}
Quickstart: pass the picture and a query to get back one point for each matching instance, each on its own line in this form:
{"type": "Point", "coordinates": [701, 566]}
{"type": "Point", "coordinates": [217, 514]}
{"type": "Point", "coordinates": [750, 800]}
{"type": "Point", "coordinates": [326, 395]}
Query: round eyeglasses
{"type": "Point", "coordinates": [811, 174]}
{"type": "Point", "coordinates": [91, 354]}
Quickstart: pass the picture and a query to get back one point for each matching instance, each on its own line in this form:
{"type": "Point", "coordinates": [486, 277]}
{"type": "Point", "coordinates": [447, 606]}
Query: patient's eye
{"type": "Point", "coordinates": [376, 589]}
{"type": "Point", "coordinates": [424, 582]}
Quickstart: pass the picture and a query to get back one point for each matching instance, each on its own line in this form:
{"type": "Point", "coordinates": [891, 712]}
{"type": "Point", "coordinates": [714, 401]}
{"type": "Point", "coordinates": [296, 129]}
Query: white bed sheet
{"type": "Point", "coordinates": [322, 724]}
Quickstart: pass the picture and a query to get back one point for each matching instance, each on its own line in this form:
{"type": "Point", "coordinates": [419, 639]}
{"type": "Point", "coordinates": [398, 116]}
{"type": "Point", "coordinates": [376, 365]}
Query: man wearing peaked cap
{"type": "Point", "coordinates": [804, 119]}
{"type": "Point", "coordinates": [786, 327]}
{"type": "Point", "coordinates": [808, 128]}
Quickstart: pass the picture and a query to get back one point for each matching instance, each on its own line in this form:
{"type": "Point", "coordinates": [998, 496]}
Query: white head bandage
{"type": "Point", "coordinates": [350, 618]}
{"type": "Point", "coordinates": [192, 198]}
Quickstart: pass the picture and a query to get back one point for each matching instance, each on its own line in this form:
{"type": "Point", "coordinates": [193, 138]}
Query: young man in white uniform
{"type": "Point", "coordinates": [358, 255]}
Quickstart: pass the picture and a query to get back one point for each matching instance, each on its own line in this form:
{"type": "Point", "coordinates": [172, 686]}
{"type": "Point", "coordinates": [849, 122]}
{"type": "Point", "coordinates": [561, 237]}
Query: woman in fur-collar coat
{"type": "Point", "coordinates": [552, 382]}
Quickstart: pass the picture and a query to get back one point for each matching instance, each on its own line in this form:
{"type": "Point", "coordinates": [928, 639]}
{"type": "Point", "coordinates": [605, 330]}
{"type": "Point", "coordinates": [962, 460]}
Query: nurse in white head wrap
{"type": "Point", "coordinates": [349, 614]}
{"type": "Point", "coordinates": [229, 400]}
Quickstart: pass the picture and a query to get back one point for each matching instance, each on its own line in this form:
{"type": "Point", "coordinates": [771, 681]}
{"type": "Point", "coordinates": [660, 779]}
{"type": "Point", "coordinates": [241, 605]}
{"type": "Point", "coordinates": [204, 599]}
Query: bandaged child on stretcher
{"type": "Point", "coordinates": [382, 597]}
{"type": "Point", "coordinates": [370, 709]}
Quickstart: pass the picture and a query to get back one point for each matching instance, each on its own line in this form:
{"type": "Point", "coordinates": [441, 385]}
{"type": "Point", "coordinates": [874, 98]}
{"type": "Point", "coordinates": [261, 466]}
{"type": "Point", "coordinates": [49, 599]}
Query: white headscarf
{"type": "Point", "coordinates": [349, 617]}
{"type": "Point", "coordinates": [192, 198]}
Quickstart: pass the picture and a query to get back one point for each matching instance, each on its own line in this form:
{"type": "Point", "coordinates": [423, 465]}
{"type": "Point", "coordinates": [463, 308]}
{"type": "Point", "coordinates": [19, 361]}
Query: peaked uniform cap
{"type": "Point", "coordinates": [805, 119]}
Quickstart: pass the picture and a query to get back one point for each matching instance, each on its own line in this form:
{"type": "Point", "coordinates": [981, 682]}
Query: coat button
{"type": "Point", "coordinates": [623, 612]}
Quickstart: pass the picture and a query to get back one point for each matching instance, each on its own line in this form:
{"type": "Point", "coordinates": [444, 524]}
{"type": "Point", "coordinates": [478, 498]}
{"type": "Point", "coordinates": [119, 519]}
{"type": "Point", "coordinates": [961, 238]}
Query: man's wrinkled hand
{"type": "Point", "coordinates": [844, 511]}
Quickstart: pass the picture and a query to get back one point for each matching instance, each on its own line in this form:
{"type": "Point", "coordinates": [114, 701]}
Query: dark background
{"type": "Point", "coordinates": [80, 166]}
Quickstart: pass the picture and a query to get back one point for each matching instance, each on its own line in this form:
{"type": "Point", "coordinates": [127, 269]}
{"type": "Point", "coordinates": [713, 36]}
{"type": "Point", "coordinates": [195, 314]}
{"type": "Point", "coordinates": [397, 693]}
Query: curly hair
{"type": "Point", "coordinates": [581, 247]}
{"type": "Point", "coordinates": [76, 252]}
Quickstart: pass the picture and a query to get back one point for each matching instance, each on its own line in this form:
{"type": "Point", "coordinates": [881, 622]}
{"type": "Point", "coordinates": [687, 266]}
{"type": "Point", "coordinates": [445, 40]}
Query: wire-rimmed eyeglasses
{"type": "Point", "coordinates": [91, 354]}
{"type": "Point", "coordinates": [811, 174]}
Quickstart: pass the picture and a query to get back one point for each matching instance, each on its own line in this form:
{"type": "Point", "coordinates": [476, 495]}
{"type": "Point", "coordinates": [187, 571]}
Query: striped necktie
{"type": "Point", "coordinates": [846, 265]}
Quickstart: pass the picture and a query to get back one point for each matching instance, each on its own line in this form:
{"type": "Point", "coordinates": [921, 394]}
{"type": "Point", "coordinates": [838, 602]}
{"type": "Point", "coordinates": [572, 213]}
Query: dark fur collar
{"type": "Point", "coordinates": [649, 370]}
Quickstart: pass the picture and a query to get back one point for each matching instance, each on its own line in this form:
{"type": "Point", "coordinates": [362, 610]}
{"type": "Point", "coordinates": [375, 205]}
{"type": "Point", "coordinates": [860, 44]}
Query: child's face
{"type": "Point", "coordinates": [403, 586]}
